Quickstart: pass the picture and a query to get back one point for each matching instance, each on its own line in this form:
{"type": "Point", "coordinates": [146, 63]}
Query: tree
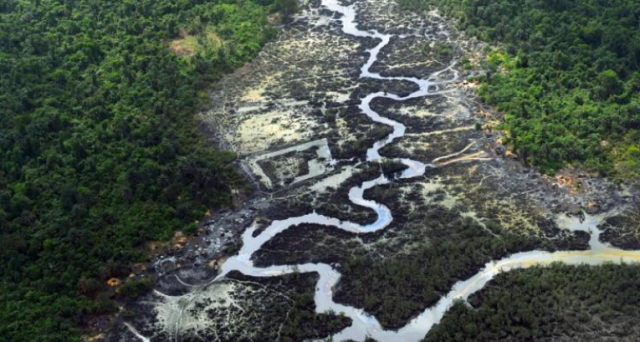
{"type": "Point", "coordinates": [286, 7]}
{"type": "Point", "coordinates": [609, 84]}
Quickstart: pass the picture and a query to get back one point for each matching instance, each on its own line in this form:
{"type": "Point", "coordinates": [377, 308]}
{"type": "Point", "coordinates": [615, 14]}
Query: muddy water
{"type": "Point", "coordinates": [365, 325]}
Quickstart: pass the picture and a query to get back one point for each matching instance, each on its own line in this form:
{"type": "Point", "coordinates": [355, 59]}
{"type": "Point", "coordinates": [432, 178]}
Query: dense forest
{"type": "Point", "coordinates": [566, 75]}
{"type": "Point", "coordinates": [559, 303]}
{"type": "Point", "coordinates": [99, 151]}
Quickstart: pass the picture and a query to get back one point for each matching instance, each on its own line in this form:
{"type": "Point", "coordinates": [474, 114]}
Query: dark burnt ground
{"type": "Point", "coordinates": [623, 230]}
{"type": "Point", "coordinates": [333, 203]}
{"type": "Point", "coordinates": [396, 273]}
{"type": "Point", "coordinates": [414, 56]}
{"type": "Point", "coordinates": [285, 312]}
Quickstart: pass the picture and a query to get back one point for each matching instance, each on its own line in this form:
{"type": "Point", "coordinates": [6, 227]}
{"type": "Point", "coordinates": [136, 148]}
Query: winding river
{"type": "Point", "coordinates": [365, 325]}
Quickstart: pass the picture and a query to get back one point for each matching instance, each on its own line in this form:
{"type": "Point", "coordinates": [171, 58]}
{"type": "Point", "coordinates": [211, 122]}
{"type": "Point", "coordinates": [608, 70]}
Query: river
{"type": "Point", "coordinates": [365, 325]}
